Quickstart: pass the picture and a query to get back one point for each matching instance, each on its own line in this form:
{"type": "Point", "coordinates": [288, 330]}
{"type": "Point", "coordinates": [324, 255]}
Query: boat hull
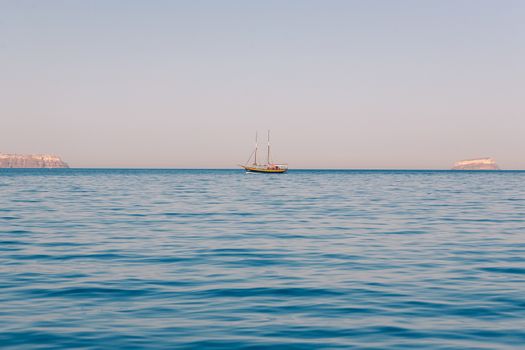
{"type": "Point", "coordinates": [263, 170]}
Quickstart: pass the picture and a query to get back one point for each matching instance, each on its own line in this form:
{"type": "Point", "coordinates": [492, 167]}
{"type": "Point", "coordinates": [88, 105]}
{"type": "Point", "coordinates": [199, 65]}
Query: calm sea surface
{"type": "Point", "coordinates": [169, 259]}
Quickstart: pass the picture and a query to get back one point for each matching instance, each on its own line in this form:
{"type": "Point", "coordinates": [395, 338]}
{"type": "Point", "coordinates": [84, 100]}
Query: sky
{"type": "Point", "coordinates": [405, 84]}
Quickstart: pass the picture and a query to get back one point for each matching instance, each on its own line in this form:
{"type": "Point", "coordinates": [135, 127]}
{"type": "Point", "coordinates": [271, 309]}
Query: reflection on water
{"type": "Point", "coordinates": [221, 259]}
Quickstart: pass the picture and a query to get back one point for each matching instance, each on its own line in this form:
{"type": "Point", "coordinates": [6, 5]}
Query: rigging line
{"type": "Point", "coordinates": [251, 155]}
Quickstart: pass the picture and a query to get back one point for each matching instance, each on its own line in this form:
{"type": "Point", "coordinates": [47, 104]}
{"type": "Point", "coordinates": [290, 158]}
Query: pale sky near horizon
{"type": "Point", "coordinates": [341, 84]}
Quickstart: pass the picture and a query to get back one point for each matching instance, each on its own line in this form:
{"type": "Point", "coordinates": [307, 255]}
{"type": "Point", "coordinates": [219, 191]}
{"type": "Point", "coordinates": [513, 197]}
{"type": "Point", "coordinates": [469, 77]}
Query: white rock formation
{"type": "Point", "coordinates": [476, 164]}
{"type": "Point", "coordinates": [31, 161]}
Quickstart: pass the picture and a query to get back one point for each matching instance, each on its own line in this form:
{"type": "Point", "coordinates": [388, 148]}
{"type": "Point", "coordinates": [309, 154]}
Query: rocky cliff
{"type": "Point", "coordinates": [31, 161]}
{"type": "Point", "coordinates": [476, 164]}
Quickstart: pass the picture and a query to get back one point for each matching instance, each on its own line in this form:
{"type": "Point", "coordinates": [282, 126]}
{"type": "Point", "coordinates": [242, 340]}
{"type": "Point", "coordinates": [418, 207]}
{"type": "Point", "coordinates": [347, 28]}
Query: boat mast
{"type": "Point", "coordinates": [255, 163]}
{"type": "Point", "coordinates": [268, 156]}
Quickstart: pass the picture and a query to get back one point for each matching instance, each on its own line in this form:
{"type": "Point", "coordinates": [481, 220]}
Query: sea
{"type": "Point", "coordinates": [221, 259]}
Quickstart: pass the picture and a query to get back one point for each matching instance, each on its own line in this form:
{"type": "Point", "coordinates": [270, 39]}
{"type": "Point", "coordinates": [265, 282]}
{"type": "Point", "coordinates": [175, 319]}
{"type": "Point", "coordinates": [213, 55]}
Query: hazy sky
{"type": "Point", "coordinates": [341, 84]}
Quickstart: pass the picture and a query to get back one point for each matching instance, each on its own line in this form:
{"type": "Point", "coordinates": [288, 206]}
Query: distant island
{"type": "Point", "coordinates": [31, 161]}
{"type": "Point", "coordinates": [476, 164]}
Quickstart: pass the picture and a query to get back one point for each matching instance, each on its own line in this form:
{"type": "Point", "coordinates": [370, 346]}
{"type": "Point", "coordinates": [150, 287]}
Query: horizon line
{"type": "Point", "coordinates": [293, 169]}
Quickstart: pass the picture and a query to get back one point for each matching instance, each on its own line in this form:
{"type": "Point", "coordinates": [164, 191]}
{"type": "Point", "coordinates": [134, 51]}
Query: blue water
{"type": "Point", "coordinates": [169, 259]}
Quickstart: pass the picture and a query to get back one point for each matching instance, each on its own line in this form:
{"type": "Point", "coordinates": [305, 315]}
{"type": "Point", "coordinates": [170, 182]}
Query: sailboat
{"type": "Point", "coordinates": [268, 167]}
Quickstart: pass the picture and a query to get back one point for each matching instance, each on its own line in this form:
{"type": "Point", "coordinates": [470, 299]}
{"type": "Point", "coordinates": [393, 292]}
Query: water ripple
{"type": "Point", "coordinates": [193, 259]}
